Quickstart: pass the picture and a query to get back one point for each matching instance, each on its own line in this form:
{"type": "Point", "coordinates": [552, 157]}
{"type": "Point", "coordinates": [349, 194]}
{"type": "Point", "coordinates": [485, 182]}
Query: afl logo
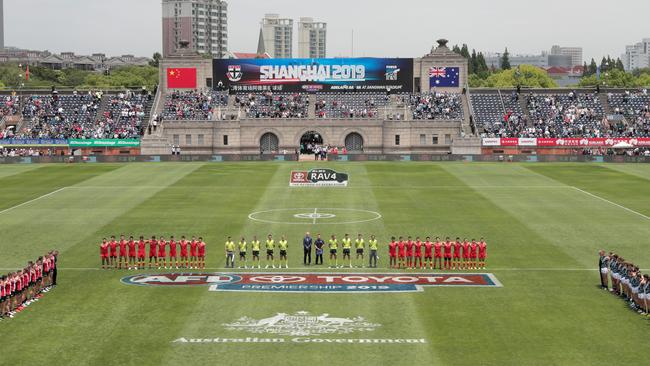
{"type": "Point", "coordinates": [180, 279]}
{"type": "Point", "coordinates": [234, 73]}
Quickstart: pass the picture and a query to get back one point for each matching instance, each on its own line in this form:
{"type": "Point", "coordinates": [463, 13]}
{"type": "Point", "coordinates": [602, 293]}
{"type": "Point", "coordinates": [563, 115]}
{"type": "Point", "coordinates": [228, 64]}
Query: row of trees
{"type": "Point", "coordinates": [612, 73]}
{"type": "Point", "coordinates": [14, 76]}
{"type": "Point", "coordinates": [481, 75]}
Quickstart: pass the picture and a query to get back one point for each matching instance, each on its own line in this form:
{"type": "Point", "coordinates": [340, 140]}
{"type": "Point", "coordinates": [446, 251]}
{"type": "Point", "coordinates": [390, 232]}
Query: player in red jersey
{"type": "Point", "coordinates": [409, 253]}
{"type": "Point", "coordinates": [417, 253]}
{"type": "Point", "coordinates": [428, 253]}
{"type": "Point", "coordinates": [132, 254]}
{"type": "Point", "coordinates": [473, 248]}
{"type": "Point", "coordinates": [437, 253]}
{"type": "Point", "coordinates": [153, 251]}
{"type": "Point", "coordinates": [447, 253]}
{"type": "Point", "coordinates": [193, 259]}
{"type": "Point", "coordinates": [162, 253]}
{"type": "Point", "coordinates": [392, 253]}
{"type": "Point", "coordinates": [3, 297]}
{"type": "Point", "coordinates": [103, 254]}
{"type": "Point", "coordinates": [123, 259]}
{"type": "Point", "coordinates": [183, 244]}
{"type": "Point", "coordinates": [141, 252]}
{"type": "Point", "coordinates": [465, 250]}
{"type": "Point", "coordinates": [113, 251]}
{"type": "Point", "coordinates": [401, 253]}
{"type": "Point", "coordinates": [482, 253]}
{"type": "Point", "coordinates": [457, 247]}
{"type": "Point", "coordinates": [172, 253]}
{"type": "Point", "coordinates": [200, 247]}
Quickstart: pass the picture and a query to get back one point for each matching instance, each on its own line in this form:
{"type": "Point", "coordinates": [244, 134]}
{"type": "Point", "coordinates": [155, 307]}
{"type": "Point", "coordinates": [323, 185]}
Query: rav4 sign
{"type": "Point", "coordinates": [315, 283]}
{"type": "Point", "coordinates": [318, 178]}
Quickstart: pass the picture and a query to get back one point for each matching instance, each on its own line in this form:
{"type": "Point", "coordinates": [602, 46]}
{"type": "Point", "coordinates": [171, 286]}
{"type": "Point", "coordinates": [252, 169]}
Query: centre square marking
{"type": "Point", "coordinates": [313, 215]}
{"type": "Point", "coordinates": [301, 282]}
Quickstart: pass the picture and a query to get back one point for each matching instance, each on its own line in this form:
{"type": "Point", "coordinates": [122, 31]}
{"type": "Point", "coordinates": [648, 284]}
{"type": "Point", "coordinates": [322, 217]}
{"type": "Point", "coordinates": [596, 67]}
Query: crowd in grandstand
{"type": "Point", "coordinates": [567, 115]}
{"type": "Point", "coordinates": [351, 105]}
{"type": "Point", "coordinates": [193, 105]}
{"type": "Point", "coordinates": [435, 105]}
{"type": "Point", "coordinates": [273, 105]}
{"type": "Point", "coordinates": [133, 253]}
{"type": "Point", "coordinates": [21, 288]}
{"type": "Point", "coordinates": [25, 152]}
{"type": "Point", "coordinates": [626, 280]}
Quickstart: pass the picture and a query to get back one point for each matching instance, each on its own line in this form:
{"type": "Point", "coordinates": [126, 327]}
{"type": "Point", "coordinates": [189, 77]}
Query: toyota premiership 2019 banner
{"type": "Point", "coordinates": [314, 75]}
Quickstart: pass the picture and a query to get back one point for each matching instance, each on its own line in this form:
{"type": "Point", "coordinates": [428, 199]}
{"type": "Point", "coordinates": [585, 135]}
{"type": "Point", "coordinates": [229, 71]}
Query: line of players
{"type": "Point", "coordinates": [627, 281]}
{"type": "Point", "coordinates": [21, 288]}
{"type": "Point", "coordinates": [447, 254]}
{"type": "Point", "coordinates": [133, 254]}
{"type": "Point", "coordinates": [403, 254]}
{"type": "Point", "coordinates": [282, 245]}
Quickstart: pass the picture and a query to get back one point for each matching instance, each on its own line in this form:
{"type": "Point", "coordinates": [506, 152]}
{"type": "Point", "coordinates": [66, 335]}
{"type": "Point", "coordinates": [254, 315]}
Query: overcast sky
{"type": "Point", "coordinates": [405, 28]}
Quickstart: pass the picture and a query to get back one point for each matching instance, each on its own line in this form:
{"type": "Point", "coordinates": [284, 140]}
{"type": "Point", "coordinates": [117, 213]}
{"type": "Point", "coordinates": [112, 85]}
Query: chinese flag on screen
{"type": "Point", "coordinates": [181, 78]}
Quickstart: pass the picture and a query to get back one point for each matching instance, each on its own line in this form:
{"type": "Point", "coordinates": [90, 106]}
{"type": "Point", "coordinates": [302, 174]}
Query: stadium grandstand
{"type": "Point", "coordinates": [362, 106]}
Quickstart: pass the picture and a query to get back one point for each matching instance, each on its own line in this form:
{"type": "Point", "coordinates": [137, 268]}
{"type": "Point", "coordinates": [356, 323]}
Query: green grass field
{"type": "Point", "coordinates": [543, 223]}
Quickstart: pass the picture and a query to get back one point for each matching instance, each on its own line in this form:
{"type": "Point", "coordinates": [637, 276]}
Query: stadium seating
{"type": "Point", "coordinates": [435, 106]}
{"type": "Point", "coordinates": [126, 113]}
{"type": "Point", "coordinates": [193, 105]}
{"type": "Point", "coordinates": [62, 116]}
{"type": "Point", "coordinates": [566, 115]}
{"type": "Point", "coordinates": [352, 105]}
{"type": "Point", "coordinates": [273, 105]}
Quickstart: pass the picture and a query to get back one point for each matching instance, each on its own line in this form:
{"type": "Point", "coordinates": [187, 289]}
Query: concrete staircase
{"type": "Point", "coordinates": [605, 102]}
{"type": "Point", "coordinates": [467, 111]}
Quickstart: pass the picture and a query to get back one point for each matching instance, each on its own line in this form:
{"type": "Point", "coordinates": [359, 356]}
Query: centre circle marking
{"type": "Point", "coordinates": [314, 214]}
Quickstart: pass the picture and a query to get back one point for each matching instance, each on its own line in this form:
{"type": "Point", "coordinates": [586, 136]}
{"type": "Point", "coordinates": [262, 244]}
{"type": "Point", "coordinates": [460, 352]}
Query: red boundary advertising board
{"type": "Point", "coordinates": [315, 282]}
{"type": "Point", "coordinates": [566, 142]}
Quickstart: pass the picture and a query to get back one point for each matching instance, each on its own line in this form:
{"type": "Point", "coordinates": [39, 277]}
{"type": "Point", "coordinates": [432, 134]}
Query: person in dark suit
{"type": "Point", "coordinates": [306, 245]}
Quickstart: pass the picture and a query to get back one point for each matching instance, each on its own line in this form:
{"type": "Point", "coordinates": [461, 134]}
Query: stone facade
{"type": "Point", "coordinates": [380, 136]}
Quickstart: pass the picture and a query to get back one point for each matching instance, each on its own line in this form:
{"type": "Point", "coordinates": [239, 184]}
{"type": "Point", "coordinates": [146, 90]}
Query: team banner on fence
{"type": "Point", "coordinates": [33, 142]}
{"type": "Point", "coordinates": [318, 178]}
{"type": "Point", "coordinates": [567, 142]}
{"type": "Point", "coordinates": [314, 75]}
{"type": "Point", "coordinates": [104, 143]}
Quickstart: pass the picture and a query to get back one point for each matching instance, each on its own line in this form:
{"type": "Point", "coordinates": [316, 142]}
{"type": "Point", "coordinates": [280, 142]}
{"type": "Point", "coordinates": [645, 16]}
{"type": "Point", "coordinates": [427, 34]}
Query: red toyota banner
{"type": "Point", "coordinates": [566, 142]}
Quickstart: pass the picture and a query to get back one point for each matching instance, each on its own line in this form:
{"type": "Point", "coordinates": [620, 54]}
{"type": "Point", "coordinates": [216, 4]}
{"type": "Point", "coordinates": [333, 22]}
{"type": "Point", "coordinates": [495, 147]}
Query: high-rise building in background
{"type": "Point", "coordinates": [2, 24]}
{"type": "Point", "coordinates": [637, 56]}
{"type": "Point", "coordinates": [278, 36]}
{"type": "Point", "coordinates": [203, 23]}
{"type": "Point", "coordinates": [312, 38]}
{"type": "Point", "coordinates": [574, 52]}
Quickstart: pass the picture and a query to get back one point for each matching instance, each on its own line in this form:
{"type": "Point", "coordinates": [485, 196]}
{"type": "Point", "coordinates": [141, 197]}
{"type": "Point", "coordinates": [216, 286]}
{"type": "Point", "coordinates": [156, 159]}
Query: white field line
{"type": "Point", "coordinates": [315, 213]}
{"type": "Point", "coordinates": [34, 200]}
{"type": "Point", "coordinates": [311, 188]}
{"type": "Point", "coordinates": [612, 203]}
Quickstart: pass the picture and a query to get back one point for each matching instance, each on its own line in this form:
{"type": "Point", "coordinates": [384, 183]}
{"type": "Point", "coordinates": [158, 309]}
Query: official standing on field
{"type": "Point", "coordinates": [306, 244]}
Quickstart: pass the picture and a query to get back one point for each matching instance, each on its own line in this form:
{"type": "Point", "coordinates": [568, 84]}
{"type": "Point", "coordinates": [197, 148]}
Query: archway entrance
{"type": "Point", "coordinates": [354, 143]}
{"type": "Point", "coordinates": [269, 143]}
{"type": "Point", "coordinates": [309, 141]}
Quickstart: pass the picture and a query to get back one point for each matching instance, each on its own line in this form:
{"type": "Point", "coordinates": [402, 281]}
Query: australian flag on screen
{"type": "Point", "coordinates": [444, 77]}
